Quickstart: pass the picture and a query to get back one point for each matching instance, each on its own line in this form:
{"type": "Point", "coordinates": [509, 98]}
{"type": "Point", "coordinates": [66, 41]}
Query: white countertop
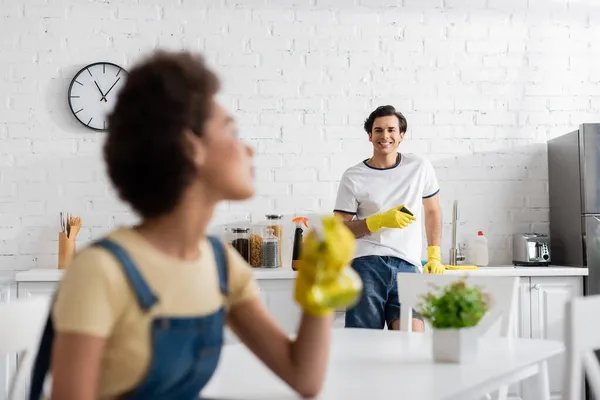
{"type": "Point", "coordinates": [511, 270]}
{"type": "Point", "coordinates": [55, 275]}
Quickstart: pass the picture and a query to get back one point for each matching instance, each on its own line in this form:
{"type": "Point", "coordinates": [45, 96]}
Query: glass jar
{"type": "Point", "coordinates": [271, 250]}
{"type": "Point", "coordinates": [256, 241]}
{"type": "Point", "coordinates": [275, 222]}
{"type": "Point", "coordinates": [241, 242]}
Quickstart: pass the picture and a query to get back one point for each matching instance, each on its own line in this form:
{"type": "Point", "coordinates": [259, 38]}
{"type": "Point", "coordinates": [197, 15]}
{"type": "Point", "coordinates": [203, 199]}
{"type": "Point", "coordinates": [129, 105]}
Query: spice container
{"type": "Point", "coordinates": [241, 242]}
{"type": "Point", "coordinates": [271, 257]}
{"type": "Point", "coordinates": [274, 222]}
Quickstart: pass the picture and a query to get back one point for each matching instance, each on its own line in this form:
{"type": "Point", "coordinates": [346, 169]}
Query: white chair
{"type": "Point", "coordinates": [503, 292]}
{"type": "Point", "coordinates": [22, 323]}
{"type": "Point", "coordinates": [582, 337]}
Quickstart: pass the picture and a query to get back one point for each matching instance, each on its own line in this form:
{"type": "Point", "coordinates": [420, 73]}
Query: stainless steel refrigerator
{"type": "Point", "coordinates": [574, 186]}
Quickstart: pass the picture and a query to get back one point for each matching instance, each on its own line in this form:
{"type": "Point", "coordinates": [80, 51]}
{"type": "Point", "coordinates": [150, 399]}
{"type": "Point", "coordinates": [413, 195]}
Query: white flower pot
{"type": "Point", "coordinates": [455, 345]}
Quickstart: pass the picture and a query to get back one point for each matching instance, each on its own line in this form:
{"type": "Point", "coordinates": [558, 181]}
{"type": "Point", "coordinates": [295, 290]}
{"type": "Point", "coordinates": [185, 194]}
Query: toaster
{"type": "Point", "coordinates": [531, 249]}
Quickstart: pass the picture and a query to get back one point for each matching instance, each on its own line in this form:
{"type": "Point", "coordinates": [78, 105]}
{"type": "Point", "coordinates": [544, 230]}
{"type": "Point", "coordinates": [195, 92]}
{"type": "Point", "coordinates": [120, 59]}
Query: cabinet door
{"type": "Point", "coordinates": [29, 289]}
{"type": "Point", "coordinates": [6, 360]}
{"type": "Point", "coordinates": [523, 329]}
{"type": "Point", "coordinates": [548, 298]}
{"type": "Point", "coordinates": [278, 296]}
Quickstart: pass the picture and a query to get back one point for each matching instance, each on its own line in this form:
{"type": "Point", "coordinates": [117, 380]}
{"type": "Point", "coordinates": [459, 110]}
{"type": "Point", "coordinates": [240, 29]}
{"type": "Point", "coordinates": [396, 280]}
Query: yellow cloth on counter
{"type": "Point", "coordinates": [96, 299]}
{"type": "Point", "coordinates": [461, 267]}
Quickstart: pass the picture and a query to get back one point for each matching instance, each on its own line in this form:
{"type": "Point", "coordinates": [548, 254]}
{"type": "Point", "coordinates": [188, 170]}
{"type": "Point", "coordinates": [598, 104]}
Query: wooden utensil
{"type": "Point", "coordinates": [74, 227]}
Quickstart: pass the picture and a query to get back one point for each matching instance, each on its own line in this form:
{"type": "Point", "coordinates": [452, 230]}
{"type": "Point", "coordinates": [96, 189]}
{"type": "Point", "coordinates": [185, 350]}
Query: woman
{"type": "Point", "coordinates": [140, 314]}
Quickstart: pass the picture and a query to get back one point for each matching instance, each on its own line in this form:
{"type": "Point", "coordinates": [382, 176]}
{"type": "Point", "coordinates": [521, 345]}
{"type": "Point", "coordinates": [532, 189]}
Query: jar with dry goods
{"type": "Point", "coordinates": [275, 222]}
{"type": "Point", "coordinates": [241, 242]}
{"type": "Point", "coordinates": [270, 250]}
{"type": "Point", "coordinates": [256, 242]}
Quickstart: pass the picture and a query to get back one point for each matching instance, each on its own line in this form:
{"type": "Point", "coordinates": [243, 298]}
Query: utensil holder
{"type": "Point", "coordinates": [66, 250]}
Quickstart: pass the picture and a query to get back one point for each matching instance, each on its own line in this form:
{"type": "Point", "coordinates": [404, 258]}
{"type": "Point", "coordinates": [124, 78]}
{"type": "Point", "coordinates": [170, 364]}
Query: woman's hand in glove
{"type": "Point", "coordinates": [325, 280]}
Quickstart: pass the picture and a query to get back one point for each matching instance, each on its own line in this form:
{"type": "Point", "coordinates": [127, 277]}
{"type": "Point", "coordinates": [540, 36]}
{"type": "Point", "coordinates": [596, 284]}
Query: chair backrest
{"type": "Point", "coordinates": [22, 322]}
{"type": "Point", "coordinates": [582, 338]}
{"type": "Point", "coordinates": [503, 292]}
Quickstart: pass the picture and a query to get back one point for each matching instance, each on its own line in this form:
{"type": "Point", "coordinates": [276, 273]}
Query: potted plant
{"type": "Point", "coordinates": [454, 314]}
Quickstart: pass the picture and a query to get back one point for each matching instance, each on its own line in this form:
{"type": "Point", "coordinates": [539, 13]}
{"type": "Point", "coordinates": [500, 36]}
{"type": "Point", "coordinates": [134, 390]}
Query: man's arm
{"type": "Point", "coordinates": [358, 227]}
{"type": "Point", "coordinates": [433, 220]}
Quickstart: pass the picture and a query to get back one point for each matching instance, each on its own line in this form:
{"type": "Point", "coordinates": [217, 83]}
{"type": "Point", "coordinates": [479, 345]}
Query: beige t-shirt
{"type": "Point", "coordinates": [95, 298]}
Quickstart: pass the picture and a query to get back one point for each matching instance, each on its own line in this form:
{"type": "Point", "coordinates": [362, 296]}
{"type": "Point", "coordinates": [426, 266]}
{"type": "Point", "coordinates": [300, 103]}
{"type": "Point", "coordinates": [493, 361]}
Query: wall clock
{"type": "Point", "coordinates": [93, 93]}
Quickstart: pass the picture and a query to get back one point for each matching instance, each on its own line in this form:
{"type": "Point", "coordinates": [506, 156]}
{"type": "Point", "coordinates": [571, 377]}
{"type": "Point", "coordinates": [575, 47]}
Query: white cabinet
{"type": "Point", "coordinates": [278, 296]}
{"type": "Point", "coordinates": [27, 290]}
{"type": "Point", "coordinates": [542, 316]}
{"type": "Point", "coordinates": [523, 328]}
{"type": "Point", "coordinates": [6, 360]}
{"type": "Point", "coordinates": [30, 289]}
{"type": "Point", "coordinates": [548, 299]}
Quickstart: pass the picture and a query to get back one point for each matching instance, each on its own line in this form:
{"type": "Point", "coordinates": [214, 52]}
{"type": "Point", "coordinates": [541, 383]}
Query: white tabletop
{"type": "Point", "coordinates": [372, 364]}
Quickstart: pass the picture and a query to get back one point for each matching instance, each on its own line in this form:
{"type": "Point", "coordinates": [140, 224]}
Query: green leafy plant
{"type": "Point", "coordinates": [457, 306]}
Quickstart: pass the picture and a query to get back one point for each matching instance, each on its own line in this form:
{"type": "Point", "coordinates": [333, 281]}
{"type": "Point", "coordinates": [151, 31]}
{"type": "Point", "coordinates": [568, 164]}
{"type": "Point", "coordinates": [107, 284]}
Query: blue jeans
{"type": "Point", "coordinates": [379, 302]}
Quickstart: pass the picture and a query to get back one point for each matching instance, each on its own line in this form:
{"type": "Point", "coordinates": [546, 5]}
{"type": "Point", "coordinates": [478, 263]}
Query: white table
{"type": "Point", "coordinates": [372, 364]}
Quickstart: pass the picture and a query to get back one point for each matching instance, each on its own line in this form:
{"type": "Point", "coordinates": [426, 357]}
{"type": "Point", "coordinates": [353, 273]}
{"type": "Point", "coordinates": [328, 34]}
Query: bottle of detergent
{"type": "Point", "coordinates": [298, 235]}
{"type": "Point", "coordinates": [479, 250]}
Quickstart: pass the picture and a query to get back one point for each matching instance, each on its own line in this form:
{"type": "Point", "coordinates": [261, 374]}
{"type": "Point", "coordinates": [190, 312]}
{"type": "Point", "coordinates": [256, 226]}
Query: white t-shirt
{"type": "Point", "coordinates": [365, 191]}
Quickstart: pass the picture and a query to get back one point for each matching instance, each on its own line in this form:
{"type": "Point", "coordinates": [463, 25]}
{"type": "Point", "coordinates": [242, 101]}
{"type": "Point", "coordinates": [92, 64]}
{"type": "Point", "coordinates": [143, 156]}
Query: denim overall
{"type": "Point", "coordinates": [185, 350]}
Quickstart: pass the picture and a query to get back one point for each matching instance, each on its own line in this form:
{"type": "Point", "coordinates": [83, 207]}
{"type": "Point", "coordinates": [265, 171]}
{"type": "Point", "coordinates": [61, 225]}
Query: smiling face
{"type": "Point", "coordinates": [386, 135]}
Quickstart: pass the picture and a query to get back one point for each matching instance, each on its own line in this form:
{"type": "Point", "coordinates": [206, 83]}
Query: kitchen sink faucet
{"type": "Point", "coordinates": [455, 254]}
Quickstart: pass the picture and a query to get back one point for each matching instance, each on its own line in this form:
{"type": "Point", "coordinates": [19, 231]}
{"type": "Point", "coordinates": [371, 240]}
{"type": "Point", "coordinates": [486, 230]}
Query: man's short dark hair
{"type": "Point", "coordinates": [146, 155]}
{"type": "Point", "coordinates": [385, 111]}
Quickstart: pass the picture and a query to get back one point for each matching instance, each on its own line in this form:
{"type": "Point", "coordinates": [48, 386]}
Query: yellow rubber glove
{"type": "Point", "coordinates": [325, 280]}
{"type": "Point", "coordinates": [393, 218]}
{"type": "Point", "coordinates": [434, 261]}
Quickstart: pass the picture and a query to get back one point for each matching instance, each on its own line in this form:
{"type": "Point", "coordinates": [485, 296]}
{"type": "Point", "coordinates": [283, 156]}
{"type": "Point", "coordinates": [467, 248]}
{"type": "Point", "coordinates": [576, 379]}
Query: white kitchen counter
{"type": "Point", "coordinates": [511, 270]}
{"type": "Point", "coordinates": [55, 275]}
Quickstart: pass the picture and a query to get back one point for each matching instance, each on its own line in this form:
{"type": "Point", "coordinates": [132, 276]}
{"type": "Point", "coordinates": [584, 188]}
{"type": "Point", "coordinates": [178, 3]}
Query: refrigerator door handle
{"type": "Point", "coordinates": [597, 219]}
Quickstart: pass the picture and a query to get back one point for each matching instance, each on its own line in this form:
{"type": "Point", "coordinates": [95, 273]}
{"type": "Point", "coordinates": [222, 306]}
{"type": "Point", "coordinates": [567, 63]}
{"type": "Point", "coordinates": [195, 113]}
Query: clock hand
{"type": "Point", "coordinates": [113, 85]}
{"type": "Point", "coordinates": [100, 90]}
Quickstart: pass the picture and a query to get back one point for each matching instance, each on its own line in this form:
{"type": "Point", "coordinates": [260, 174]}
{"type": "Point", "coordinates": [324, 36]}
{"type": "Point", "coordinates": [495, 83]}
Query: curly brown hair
{"type": "Point", "coordinates": [145, 152]}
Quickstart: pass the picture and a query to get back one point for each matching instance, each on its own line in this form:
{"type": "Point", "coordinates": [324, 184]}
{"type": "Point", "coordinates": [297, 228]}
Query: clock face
{"type": "Point", "coordinates": [93, 93]}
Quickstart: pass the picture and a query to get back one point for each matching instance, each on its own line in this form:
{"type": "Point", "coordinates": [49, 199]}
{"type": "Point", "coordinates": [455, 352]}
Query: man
{"type": "Point", "coordinates": [381, 200]}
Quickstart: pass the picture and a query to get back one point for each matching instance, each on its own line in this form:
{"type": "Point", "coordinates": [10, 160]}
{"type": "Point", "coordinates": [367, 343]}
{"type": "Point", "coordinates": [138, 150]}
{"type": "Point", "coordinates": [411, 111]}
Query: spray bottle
{"type": "Point", "coordinates": [298, 232]}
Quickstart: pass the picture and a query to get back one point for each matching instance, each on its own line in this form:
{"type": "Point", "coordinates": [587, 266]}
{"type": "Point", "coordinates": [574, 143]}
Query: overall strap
{"type": "Point", "coordinates": [145, 297]}
{"type": "Point", "coordinates": [221, 260]}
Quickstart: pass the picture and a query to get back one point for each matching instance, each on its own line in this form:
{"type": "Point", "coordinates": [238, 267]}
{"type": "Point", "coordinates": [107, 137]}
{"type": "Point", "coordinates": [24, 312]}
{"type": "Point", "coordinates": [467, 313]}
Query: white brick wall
{"type": "Point", "coordinates": [483, 83]}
